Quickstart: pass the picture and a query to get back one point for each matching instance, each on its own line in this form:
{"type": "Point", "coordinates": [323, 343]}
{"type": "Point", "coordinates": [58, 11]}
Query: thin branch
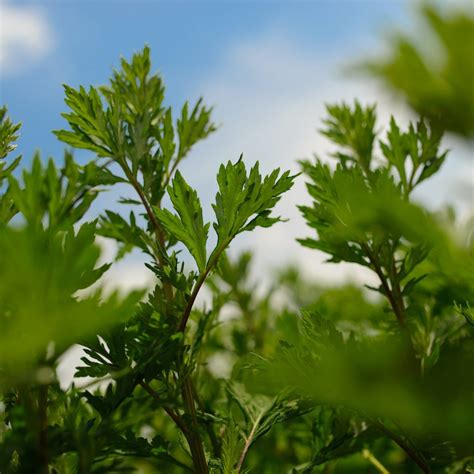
{"type": "Point", "coordinates": [216, 448]}
{"type": "Point", "coordinates": [398, 311]}
{"type": "Point", "coordinates": [171, 171]}
{"type": "Point", "coordinates": [173, 415]}
{"type": "Point", "coordinates": [194, 440]}
{"type": "Point", "coordinates": [160, 236]}
{"type": "Point", "coordinates": [151, 215]}
{"type": "Point", "coordinates": [374, 461]}
{"type": "Point", "coordinates": [192, 299]}
{"type": "Point", "coordinates": [395, 298]}
{"type": "Point", "coordinates": [197, 287]}
{"type": "Point", "coordinates": [248, 442]}
{"type": "Point", "coordinates": [192, 436]}
{"type": "Point", "coordinates": [414, 455]}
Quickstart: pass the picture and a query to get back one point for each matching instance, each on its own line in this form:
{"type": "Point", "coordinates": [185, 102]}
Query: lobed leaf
{"type": "Point", "coordinates": [187, 226]}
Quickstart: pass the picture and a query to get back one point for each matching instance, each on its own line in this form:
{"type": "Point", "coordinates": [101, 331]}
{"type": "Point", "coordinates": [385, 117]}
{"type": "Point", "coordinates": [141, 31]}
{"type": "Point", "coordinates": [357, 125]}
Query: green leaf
{"type": "Point", "coordinates": [245, 202]}
{"type": "Point", "coordinates": [8, 135]}
{"type": "Point", "coordinates": [166, 139]}
{"type": "Point", "coordinates": [88, 121]}
{"type": "Point", "coordinates": [420, 145]}
{"type": "Point", "coordinates": [438, 87]}
{"type": "Point", "coordinates": [193, 127]}
{"type": "Point", "coordinates": [261, 413]}
{"type": "Point", "coordinates": [353, 128]}
{"type": "Point", "coordinates": [127, 122]}
{"type": "Point", "coordinates": [56, 197]}
{"type": "Point", "coordinates": [129, 234]}
{"type": "Point", "coordinates": [231, 447]}
{"type": "Point", "coordinates": [187, 226]}
{"type": "Point", "coordinates": [40, 274]}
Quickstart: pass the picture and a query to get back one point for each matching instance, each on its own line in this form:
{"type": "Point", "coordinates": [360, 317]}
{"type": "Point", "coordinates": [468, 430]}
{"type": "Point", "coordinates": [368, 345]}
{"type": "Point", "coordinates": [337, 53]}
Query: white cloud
{"type": "Point", "coordinates": [25, 37]}
{"type": "Point", "coordinates": [270, 98]}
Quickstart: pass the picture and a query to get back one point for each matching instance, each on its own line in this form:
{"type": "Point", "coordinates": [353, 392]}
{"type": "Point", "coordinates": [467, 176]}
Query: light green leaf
{"type": "Point", "coordinates": [40, 274]}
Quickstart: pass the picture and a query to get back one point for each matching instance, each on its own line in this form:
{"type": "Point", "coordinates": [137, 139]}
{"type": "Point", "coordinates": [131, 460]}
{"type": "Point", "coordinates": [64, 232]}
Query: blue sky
{"type": "Point", "coordinates": [189, 40]}
{"type": "Point", "coordinates": [268, 68]}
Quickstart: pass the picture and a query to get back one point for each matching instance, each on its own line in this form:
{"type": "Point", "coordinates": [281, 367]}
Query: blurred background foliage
{"type": "Point", "coordinates": [434, 71]}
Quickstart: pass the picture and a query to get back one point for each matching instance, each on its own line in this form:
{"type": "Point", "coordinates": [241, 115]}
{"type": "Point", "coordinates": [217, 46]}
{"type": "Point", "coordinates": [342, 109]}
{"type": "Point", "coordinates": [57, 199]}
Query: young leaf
{"type": "Point", "coordinates": [55, 196]}
{"type": "Point", "coordinates": [193, 127]}
{"type": "Point", "coordinates": [8, 135]}
{"type": "Point", "coordinates": [353, 129]}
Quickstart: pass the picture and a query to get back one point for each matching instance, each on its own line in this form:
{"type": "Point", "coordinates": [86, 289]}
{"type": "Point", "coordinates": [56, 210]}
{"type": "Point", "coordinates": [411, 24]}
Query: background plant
{"type": "Point", "coordinates": [395, 375]}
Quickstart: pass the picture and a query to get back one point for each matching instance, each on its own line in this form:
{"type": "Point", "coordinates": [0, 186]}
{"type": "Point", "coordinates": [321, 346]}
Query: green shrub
{"type": "Point", "coordinates": [294, 377]}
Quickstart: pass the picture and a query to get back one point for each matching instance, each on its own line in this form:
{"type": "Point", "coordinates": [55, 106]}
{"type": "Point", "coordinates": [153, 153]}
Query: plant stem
{"type": "Point", "coordinates": [197, 287]}
{"type": "Point", "coordinates": [393, 293]}
{"type": "Point", "coordinates": [194, 440]}
{"type": "Point", "coordinates": [174, 416]}
{"type": "Point", "coordinates": [248, 442]}
{"type": "Point", "coordinates": [397, 310]}
{"type": "Point", "coordinates": [160, 236]}
{"type": "Point", "coordinates": [191, 435]}
{"type": "Point", "coordinates": [196, 444]}
{"type": "Point", "coordinates": [169, 175]}
{"type": "Point", "coordinates": [192, 299]}
{"type": "Point", "coordinates": [43, 429]}
{"type": "Point", "coordinates": [414, 455]}
{"type": "Point", "coordinates": [216, 448]}
{"type": "Point", "coordinates": [146, 205]}
{"type": "Point", "coordinates": [373, 460]}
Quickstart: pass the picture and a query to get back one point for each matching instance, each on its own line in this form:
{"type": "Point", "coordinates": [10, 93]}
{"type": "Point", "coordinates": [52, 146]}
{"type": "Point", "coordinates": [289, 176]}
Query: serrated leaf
{"type": "Point", "coordinates": [187, 226]}
{"type": "Point", "coordinates": [244, 202]}
{"type": "Point", "coordinates": [8, 136]}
